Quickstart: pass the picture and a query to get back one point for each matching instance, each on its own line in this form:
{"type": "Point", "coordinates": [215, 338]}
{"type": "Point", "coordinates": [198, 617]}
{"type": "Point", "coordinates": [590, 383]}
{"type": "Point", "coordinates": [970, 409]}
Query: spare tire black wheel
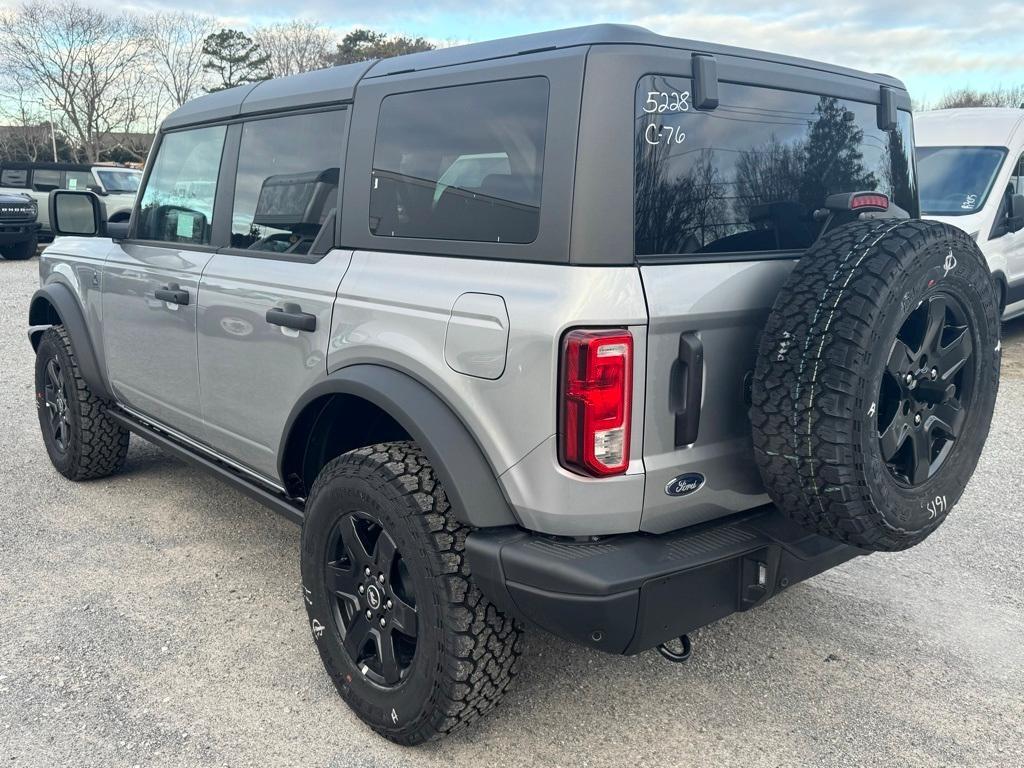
{"type": "Point", "coordinates": [875, 382]}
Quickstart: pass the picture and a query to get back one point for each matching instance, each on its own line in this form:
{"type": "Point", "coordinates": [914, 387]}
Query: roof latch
{"type": "Point", "coordinates": [705, 81]}
{"type": "Point", "coordinates": [887, 117]}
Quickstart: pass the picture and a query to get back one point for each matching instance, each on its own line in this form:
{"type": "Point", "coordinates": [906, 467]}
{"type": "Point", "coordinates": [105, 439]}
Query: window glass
{"type": "Point", "coordinates": [1017, 180]}
{"type": "Point", "coordinates": [78, 180]}
{"type": "Point", "coordinates": [120, 181]}
{"type": "Point", "coordinates": [45, 180]}
{"type": "Point", "coordinates": [955, 181]}
{"type": "Point", "coordinates": [287, 185]}
{"type": "Point", "coordinates": [461, 163]}
{"type": "Point", "coordinates": [10, 177]}
{"type": "Point", "coordinates": [177, 204]}
{"type": "Point", "coordinates": [748, 175]}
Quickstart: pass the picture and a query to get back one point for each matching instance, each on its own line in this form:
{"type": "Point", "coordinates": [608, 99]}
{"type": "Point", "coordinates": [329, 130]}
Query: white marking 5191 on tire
{"type": "Point", "coordinates": [875, 382]}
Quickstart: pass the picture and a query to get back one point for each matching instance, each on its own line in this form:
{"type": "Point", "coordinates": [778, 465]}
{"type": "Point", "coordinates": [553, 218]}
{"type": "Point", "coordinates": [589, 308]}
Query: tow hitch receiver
{"type": "Point", "coordinates": [677, 657]}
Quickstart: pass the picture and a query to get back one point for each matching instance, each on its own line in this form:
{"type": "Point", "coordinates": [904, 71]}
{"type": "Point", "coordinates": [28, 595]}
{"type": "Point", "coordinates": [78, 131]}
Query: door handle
{"type": "Point", "coordinates": [291, 316]}
{"type": "Point", "coordinates": [173, 293]}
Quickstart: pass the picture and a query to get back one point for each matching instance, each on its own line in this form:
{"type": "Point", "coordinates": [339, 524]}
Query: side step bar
{"type": "Point", "coordinates": [266, 496]}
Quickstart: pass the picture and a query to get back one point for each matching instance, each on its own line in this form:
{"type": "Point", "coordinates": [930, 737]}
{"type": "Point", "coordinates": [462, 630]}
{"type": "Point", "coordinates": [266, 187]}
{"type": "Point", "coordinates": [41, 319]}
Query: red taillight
{"type": "Point", "coordinates": [874, 201]}
{"type": "Point", "coordinates": [597, 389]}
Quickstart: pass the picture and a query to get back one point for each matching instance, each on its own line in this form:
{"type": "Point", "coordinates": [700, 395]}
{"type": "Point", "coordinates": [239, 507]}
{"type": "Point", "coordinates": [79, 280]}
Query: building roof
{"type": "Point", "coordinates": [339, 83]}
{"type": "Point", "coordinates": [967, 127]}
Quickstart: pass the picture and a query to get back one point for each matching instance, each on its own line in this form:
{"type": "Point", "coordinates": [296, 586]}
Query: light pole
{"type": "Point", "coordinates": [53, 132]}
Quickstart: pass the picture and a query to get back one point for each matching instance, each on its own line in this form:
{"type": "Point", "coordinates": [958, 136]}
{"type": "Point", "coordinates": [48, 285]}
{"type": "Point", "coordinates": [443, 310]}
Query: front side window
{"type": "Point", "coordinates": [177, 204]}
{"type": "Point", "coordinates": [956, 181]}
{"type": "Point", "coordinates": [748, 176]}
{"type": "Point", "coordinates": [78, 180]}
{"type": "Point", "coordinates": [461, 163]}
{"type": "Point", "coordinates": [287, 184]}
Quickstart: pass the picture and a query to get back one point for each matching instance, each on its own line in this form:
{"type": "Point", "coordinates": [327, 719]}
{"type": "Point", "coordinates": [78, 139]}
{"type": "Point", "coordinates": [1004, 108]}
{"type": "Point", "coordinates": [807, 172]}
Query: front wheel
{"type": "Point", "coordinates": [21, 251]}
{"type": "Point", "coordinates": [411, 644]}
{"type": "Point", "coordinates": [83, 442]}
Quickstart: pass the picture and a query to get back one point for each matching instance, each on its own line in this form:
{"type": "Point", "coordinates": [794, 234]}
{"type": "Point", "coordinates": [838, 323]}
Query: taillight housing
{"type": "Point", "coordinates": [597, 392]}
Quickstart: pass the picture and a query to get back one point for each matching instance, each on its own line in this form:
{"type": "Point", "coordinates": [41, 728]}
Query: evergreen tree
{"type": "Point", "coordinates": [234, 59]}
{"type": "Point", "coordinates": [365, 44]}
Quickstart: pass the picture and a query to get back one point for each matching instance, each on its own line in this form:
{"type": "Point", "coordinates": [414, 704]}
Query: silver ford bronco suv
{"type": "Point", "coordinates": [593, 331]}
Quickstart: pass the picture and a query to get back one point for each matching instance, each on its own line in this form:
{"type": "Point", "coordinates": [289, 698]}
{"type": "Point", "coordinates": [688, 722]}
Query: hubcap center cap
{"type": "Point", "coordinates": [374, 597]}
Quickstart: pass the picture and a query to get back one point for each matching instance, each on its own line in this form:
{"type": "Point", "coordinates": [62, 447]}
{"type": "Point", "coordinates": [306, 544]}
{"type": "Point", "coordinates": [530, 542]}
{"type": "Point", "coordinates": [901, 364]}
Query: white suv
{"type": "Point", "coordinates": [970, 166]}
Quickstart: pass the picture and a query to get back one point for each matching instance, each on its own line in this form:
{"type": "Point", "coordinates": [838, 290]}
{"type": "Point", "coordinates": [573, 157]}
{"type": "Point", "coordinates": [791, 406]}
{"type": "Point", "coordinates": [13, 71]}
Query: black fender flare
{"type": "Point", "coordinates": [468, 478]}
{"type": "Point", "coordinates": [70, 315]}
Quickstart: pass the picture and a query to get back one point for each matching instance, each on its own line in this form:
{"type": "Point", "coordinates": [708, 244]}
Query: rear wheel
{"type": "Point", "coordinates": [412, 645]}
{"type": "Point", "coordinates": [82, 441]}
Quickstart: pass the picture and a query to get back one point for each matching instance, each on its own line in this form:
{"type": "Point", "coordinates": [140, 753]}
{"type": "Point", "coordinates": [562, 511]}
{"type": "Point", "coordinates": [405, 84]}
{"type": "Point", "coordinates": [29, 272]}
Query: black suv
{"type": "Point", "coordinates": [19, 228]}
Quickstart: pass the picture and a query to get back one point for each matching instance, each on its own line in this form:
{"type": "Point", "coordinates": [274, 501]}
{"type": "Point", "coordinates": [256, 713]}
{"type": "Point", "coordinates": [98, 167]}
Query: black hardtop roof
{"type": "Point", "coordinates": [338, 84]}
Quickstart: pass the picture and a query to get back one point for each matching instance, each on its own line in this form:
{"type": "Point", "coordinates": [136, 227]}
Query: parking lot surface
{"type": "Point", "coordinates": [155, 618]}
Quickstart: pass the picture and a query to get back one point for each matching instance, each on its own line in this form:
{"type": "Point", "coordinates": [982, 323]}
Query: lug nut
{"type": "Point", "coordinates": [380, 577]}
{"type": "Point", "coordinates": [366, 571]}
{"type": "Point", "coordinates": [382, 622]}
{"type": "Point", "coordinates": [908, 378]}
{"type": "Point", "coordinates": [369, 614]}
{"type": "Point", "coordinates": [390, 605]}
{"type": "Point", "coordinates": [917, 419]}
{"type": "Point", "coordinates": [935, 374]}
{"type": "Point", "coordinates": [361, 589]}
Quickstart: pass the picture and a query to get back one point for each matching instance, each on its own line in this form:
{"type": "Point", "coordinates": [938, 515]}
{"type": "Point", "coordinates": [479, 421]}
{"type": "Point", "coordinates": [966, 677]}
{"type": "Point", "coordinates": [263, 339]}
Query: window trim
{"type": "Point", "coordinates": [730, 256]}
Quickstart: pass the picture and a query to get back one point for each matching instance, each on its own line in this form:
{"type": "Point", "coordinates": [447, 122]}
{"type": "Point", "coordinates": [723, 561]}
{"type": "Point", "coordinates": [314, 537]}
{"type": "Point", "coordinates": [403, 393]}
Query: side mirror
{"type": "Point", "coordinates": [77, 213]}
{"type": "Point", "coordinates": [1015, 222]}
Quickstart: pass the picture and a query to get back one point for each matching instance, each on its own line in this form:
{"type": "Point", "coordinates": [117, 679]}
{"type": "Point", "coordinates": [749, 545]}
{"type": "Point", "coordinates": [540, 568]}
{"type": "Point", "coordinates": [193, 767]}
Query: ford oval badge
{"type": "Point", "coordinates": [686, 484]}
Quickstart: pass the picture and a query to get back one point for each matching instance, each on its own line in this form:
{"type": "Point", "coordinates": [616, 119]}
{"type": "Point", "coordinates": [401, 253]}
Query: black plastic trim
{"type": "Point", "coordinates": [72, 318]}
{"type": "Point", "coordinates": [266, 496]}
{"type": "Point", "coordinates": [469, 480]}
{"type": "Point", "coordinates": [705, 82]}
{"type": "Point", "coordinates": [688, 388]}
{"type": "Point", "coordinates": [1014, 292]}
{"type": "Point", "coordinates": [625, 594]}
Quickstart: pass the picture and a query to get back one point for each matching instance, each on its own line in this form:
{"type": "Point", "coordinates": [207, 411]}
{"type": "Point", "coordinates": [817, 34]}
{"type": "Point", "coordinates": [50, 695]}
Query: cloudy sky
{"type": "Point", "coordinates": [933, 45]}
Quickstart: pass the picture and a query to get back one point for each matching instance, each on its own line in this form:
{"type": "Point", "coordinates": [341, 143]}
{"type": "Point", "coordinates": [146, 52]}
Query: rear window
{"type": "Point", "coordinates": [747, 176]}
{"type": "Point", "coordinates": [461, 163]}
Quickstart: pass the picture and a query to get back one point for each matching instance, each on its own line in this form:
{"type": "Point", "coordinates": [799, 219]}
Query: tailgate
{"type": "Point", "coordinates": [705, 321]}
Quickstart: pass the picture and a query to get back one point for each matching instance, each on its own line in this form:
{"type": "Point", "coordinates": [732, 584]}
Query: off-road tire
{"type": "Point", "coordinates": [96, 445]}
{"type": "Point", "coordinates": [820, 367]}
{"type": "Point", "coordinates": [20, 251]}
{"type": "Point", "coordinates": [467, 651]}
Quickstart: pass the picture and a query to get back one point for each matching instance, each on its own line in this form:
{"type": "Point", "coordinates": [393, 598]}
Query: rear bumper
{"type": "Point", "coordinates": [628, 593]}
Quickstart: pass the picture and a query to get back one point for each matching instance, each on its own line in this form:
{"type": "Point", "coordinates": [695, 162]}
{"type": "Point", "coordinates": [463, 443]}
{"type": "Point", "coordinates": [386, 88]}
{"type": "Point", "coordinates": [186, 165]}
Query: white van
{"type": "Point", "coordinates": [970, 165]}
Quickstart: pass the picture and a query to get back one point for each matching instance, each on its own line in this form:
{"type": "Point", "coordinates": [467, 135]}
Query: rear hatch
{"type": "Point", "coordinates": [724, 204]}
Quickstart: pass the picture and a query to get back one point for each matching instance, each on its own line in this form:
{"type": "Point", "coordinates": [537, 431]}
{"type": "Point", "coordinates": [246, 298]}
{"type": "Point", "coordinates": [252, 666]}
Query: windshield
{"type": "Point", "coordinates": [956, 181]}
{"type": "Point", "coordinates": [120, 180]}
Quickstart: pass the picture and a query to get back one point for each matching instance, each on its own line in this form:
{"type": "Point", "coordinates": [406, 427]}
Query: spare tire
{"type": "Point", "coordinates": [875, 382]}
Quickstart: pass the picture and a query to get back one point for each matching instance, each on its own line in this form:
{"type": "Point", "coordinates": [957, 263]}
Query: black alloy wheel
{"type": "Point", "coordinates": [55, 401]}
{"type": "Point", "coordinates": [374, 605]}
{"type": "Point", "coordinates": [926, 390]}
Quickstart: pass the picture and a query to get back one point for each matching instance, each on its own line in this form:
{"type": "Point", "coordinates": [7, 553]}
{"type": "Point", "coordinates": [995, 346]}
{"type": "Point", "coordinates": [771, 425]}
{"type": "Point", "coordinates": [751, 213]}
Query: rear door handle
{"type": "Point", "coordinates": [173, 293]}
{"type": "Point", "coordinates": [291, 316]}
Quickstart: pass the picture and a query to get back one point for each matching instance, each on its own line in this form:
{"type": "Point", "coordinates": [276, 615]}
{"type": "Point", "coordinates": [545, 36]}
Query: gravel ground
{"type": "Point", "coordinates": [155, 619]}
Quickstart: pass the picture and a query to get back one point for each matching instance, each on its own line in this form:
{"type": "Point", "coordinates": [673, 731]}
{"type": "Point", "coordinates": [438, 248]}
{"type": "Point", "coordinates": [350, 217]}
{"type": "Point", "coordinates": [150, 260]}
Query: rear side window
{"type": "Point", "coordinates": [177, 203]}
{"type": "Point", "coordinates": [287, 184]}
{"type": "Point", "coordinates": [79, 180]}
{"type": "Point", "coordinates": [10, 177]}
{"type": "Point", "coordinates": [45, 180]}
{"type": "Point", "coordinates": [461, 163]}
{"type": "Point", "coordinates": [748, 175]}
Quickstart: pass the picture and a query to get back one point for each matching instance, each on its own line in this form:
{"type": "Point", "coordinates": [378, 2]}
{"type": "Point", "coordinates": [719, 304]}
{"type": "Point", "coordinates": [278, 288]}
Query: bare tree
{"type": "Point", "coordinates": [87, 63]}
{"type": "Point", "coordinates": [176, 42]}
{"type": "Point", "coordinates": [969, 97]}
{"type": "Point", "coordinates": [295, 46]}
